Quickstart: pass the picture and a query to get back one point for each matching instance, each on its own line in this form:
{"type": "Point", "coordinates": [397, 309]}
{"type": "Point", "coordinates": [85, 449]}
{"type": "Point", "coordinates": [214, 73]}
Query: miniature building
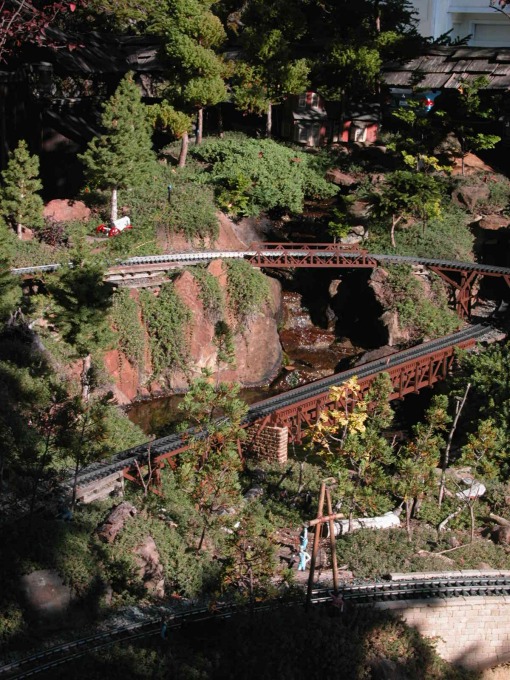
{"type": "Point", "coordinates": [309, 120]}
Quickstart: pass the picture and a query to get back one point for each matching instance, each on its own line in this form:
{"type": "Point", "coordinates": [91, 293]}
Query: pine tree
{"type": "Point", "coordinates": [192, 33]}
{"type": "Point", "coordinates": [123, 155]}
{"type": "Point", "coordinates": [20, 204]}
{"type": "Point", "coordinates": [82, 301]}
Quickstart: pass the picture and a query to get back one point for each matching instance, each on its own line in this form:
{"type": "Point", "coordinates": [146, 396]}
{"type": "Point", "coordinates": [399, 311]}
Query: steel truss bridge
{"type": "Point", "coordinates": [148, 270]}
{"type": "Point", "coordinates": [417, 587]}
{"type": "Point", "coordinates": [410, 371]}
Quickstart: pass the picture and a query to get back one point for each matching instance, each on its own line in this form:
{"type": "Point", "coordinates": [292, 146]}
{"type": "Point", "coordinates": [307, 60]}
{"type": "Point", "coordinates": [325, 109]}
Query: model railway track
{"type": "Point", "coordinates": [353, 593]}
{"type": "Point", "coordinates": [268, 257]}
{"type": "Point", "coordinates": [126, 459]}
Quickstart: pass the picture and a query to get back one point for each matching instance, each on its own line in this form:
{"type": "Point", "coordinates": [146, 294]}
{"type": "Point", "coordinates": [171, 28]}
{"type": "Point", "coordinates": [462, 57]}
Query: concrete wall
{"type": "Point", "coordinates": [469, 631]}
{"type": "Point", "coordinates": [271, 443]}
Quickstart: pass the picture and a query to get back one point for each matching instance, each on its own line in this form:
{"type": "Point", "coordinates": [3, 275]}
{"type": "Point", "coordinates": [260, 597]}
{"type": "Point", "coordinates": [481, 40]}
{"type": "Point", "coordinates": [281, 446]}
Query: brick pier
{"type": "Point", "coordinates": [271, 444]}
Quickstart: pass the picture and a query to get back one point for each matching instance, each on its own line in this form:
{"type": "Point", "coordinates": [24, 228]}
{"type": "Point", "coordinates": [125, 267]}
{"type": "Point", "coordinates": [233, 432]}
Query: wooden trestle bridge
{"type": "Point", "coordinates": [409, 371]}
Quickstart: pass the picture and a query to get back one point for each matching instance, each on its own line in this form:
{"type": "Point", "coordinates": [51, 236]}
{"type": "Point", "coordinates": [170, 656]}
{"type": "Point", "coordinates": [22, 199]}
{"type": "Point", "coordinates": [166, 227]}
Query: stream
{"type": "Point", "coordinates": [310, 352]}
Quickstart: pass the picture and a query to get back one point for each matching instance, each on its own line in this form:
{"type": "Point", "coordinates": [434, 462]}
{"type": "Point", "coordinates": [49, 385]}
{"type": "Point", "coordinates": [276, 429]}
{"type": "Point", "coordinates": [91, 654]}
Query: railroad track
{"type": "Point", "coordinates": [322, 251]}
{"type": "Point", "coordinates": [138, 454]}
{"type": "Point", "coordinates": [359, 593]}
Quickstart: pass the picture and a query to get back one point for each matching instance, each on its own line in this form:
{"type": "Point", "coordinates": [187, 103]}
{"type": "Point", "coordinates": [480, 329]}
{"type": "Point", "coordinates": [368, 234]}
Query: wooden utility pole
{"type": "Point", "coordinates": [316, 539]}
{"type": "Point", "coordinates": [317, 523]}
{"type": "Point", "coordinates": [333, 542]}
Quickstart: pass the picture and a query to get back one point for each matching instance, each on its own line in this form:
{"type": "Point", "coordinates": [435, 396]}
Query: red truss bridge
{"type": "Point", "coordinates": [461, 277]}
{"type": "Point", "coordinates": [410, 371]}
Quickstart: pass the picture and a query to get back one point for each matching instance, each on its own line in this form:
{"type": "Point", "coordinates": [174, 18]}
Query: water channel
{"type": "Point", "coordinates": [311, 351]}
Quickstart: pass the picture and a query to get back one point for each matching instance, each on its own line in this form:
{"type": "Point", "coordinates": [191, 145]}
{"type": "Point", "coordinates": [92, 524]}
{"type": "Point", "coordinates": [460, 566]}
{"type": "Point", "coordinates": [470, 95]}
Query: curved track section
{"type": "Point", "coordinates": [419, 588]}
{"type": "Point", "coordinates": [295, 251]}
{"type": "Point", "coordinates": [126, 459]}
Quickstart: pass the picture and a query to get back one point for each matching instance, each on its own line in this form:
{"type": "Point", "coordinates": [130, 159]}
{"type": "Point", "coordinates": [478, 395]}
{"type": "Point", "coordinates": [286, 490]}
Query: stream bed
{"type": "Point", "coordinates": [310, 353]}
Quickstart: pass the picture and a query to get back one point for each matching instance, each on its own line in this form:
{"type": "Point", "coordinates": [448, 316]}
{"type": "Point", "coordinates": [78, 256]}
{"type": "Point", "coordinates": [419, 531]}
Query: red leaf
{"type": "Point", "coordinates": [72, 6]}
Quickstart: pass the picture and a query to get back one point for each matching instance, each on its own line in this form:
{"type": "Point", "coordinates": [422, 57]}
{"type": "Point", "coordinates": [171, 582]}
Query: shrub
{"type": "Point", "coordinates": [248, 290]}
{"type": "Point", "coordinates": [211, 292]}
{"type": "Point", "coordinates": [166, 318]}
{"type": "Point", "coordinates": [192, 212]}
{"type": "Point", "coordinates": [126, 321]}
{"type": "Point", "coordinates": [251, 175]}
{"type": "Point", "coordinates": [423, 317]}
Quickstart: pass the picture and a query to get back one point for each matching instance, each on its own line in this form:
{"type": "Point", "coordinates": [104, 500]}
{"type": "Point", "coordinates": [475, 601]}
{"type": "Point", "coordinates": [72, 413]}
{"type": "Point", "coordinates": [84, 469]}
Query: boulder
{"type": "Point", "coordinates": [340, 178]}
{"type": "Point", "coordinates": [46, 596]}
{"type": "Point", "coordinates": [470, 195]}
{"type": "Point", "coordinates": [501, 535]}
{"type": "Point", "coordinates": [493, 222]}
{"type": "Point", "coordinates": [115, 522]}
{"type": "Point", "coordinates": [63, 210]}
{"type": "Point", "coordinates": [359, 209]}
{"type": "Point", "coordinates": [150, 568]}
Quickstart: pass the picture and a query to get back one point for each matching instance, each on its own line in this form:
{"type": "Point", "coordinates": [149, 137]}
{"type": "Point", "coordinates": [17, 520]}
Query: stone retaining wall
{"type": "Point", "coordinates": [473, 632]}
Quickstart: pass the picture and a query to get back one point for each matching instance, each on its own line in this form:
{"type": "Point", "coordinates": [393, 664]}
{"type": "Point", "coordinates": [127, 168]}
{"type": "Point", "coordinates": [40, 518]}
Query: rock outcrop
{"type": "Point", "coordinates": [150, 568]}
{"type": "Point", "coordinates": [63, 210]}
{"type": "Point", "coordinates": [115, 522]}
{"type": "Point", "coordinates": [257, 345]}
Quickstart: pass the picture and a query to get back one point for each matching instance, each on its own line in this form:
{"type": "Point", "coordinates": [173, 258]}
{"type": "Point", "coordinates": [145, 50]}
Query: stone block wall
{"type": "Point", "coordinates": [473, 632]}
{"type": "Point", "coordinates": [270, 444]}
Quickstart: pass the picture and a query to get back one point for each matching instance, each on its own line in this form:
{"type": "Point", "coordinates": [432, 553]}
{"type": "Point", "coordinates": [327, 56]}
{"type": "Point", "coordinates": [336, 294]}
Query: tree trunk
{"type": "Point", "coordinates": [184, 150]}
{"type": "Point", "coordinates": [200, 543]}
{"type": "Point", "coordinates": [220, 121]}
{"type": "Point", "coordinates": [472, 516]}
{"type": "Point", "coordinates": [269, 121]}
{"type": "Point", "coordinates": [409, 508]}
{"type": "Point", "coordinates": [114, 208]}
{"type": "Point", "coordinates": [85, 386]}
{"type": "Point", "coordinates": [38, 475]}
{"type": "Point", "coordinates": [19, 231]}
{"type": "Point", "coordinates": [392, 233]}
{"type": "Point", "coordinates": [200, 126]}
{"type": "Point", "coordinates": [446, 457]}
{"type": "Point", "coordinates": [75, 483]}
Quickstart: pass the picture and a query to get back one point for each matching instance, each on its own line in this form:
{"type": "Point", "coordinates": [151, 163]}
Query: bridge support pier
{"type": "Point", "coordinates": [270, 443]}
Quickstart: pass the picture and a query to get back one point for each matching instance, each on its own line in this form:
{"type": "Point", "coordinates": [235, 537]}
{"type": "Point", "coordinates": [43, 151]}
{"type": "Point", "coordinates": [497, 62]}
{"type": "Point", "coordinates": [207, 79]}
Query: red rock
{"type": "Point", "coordinates": [63, 210]}
{"type": "Point", "coordinates": [494, 222]}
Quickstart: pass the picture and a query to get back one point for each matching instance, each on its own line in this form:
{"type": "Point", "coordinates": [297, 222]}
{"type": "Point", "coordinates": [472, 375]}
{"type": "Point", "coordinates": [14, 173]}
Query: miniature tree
{"type": "Point", "coordinates": [348, 437]}
{"type": "Point", "coordinates": [417, 460]}
{"type": "Point", "coordinates": [20, 203]}
{"type": "Point", "coordinates": [471, 110]}
{"type": "Point", "coordinates": [122, 156]}
{"type": "Point", "coordinates": [406, 194]}
{"type": "Point", "coordinates": [209, 469]}
{"type": "Point", "coordinates": [480, 454]}
{"type": "Point", "coordinates": [270, 71]}
{"type": "Point", "coordinates": [165, 117]}
{"type": "Point", "coordinates": [192, 33]}
{"type": "Point", "coordinates": [80, 313]}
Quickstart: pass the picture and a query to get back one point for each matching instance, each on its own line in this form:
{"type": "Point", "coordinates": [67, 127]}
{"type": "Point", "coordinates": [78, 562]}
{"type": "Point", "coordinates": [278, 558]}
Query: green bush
{"type": "Point", "coordinates": [251, 176]}
{"type": "Point", "coordinates": [211, 292]}
{"type": "Point", "coordinates": [192, 212]}
{"type": "Point", "coordinates": [126, 321]}
{"type": "Point", "coordinates": [248, 289]}
{"type": "Point", "coordinates": [448, 236]}
{"type": "Point", "coordinates": [423, 317]}
{"type": "Point", "coordinates": [166, 318]}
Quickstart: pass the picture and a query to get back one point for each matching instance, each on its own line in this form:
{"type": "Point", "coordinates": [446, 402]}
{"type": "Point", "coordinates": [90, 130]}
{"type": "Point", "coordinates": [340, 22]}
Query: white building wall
{"type": "Point", "coordinates": [487, 27]}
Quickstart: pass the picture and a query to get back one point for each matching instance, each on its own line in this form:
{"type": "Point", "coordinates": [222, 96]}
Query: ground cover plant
{"type": "Point", "coordinates": [251, 176]}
